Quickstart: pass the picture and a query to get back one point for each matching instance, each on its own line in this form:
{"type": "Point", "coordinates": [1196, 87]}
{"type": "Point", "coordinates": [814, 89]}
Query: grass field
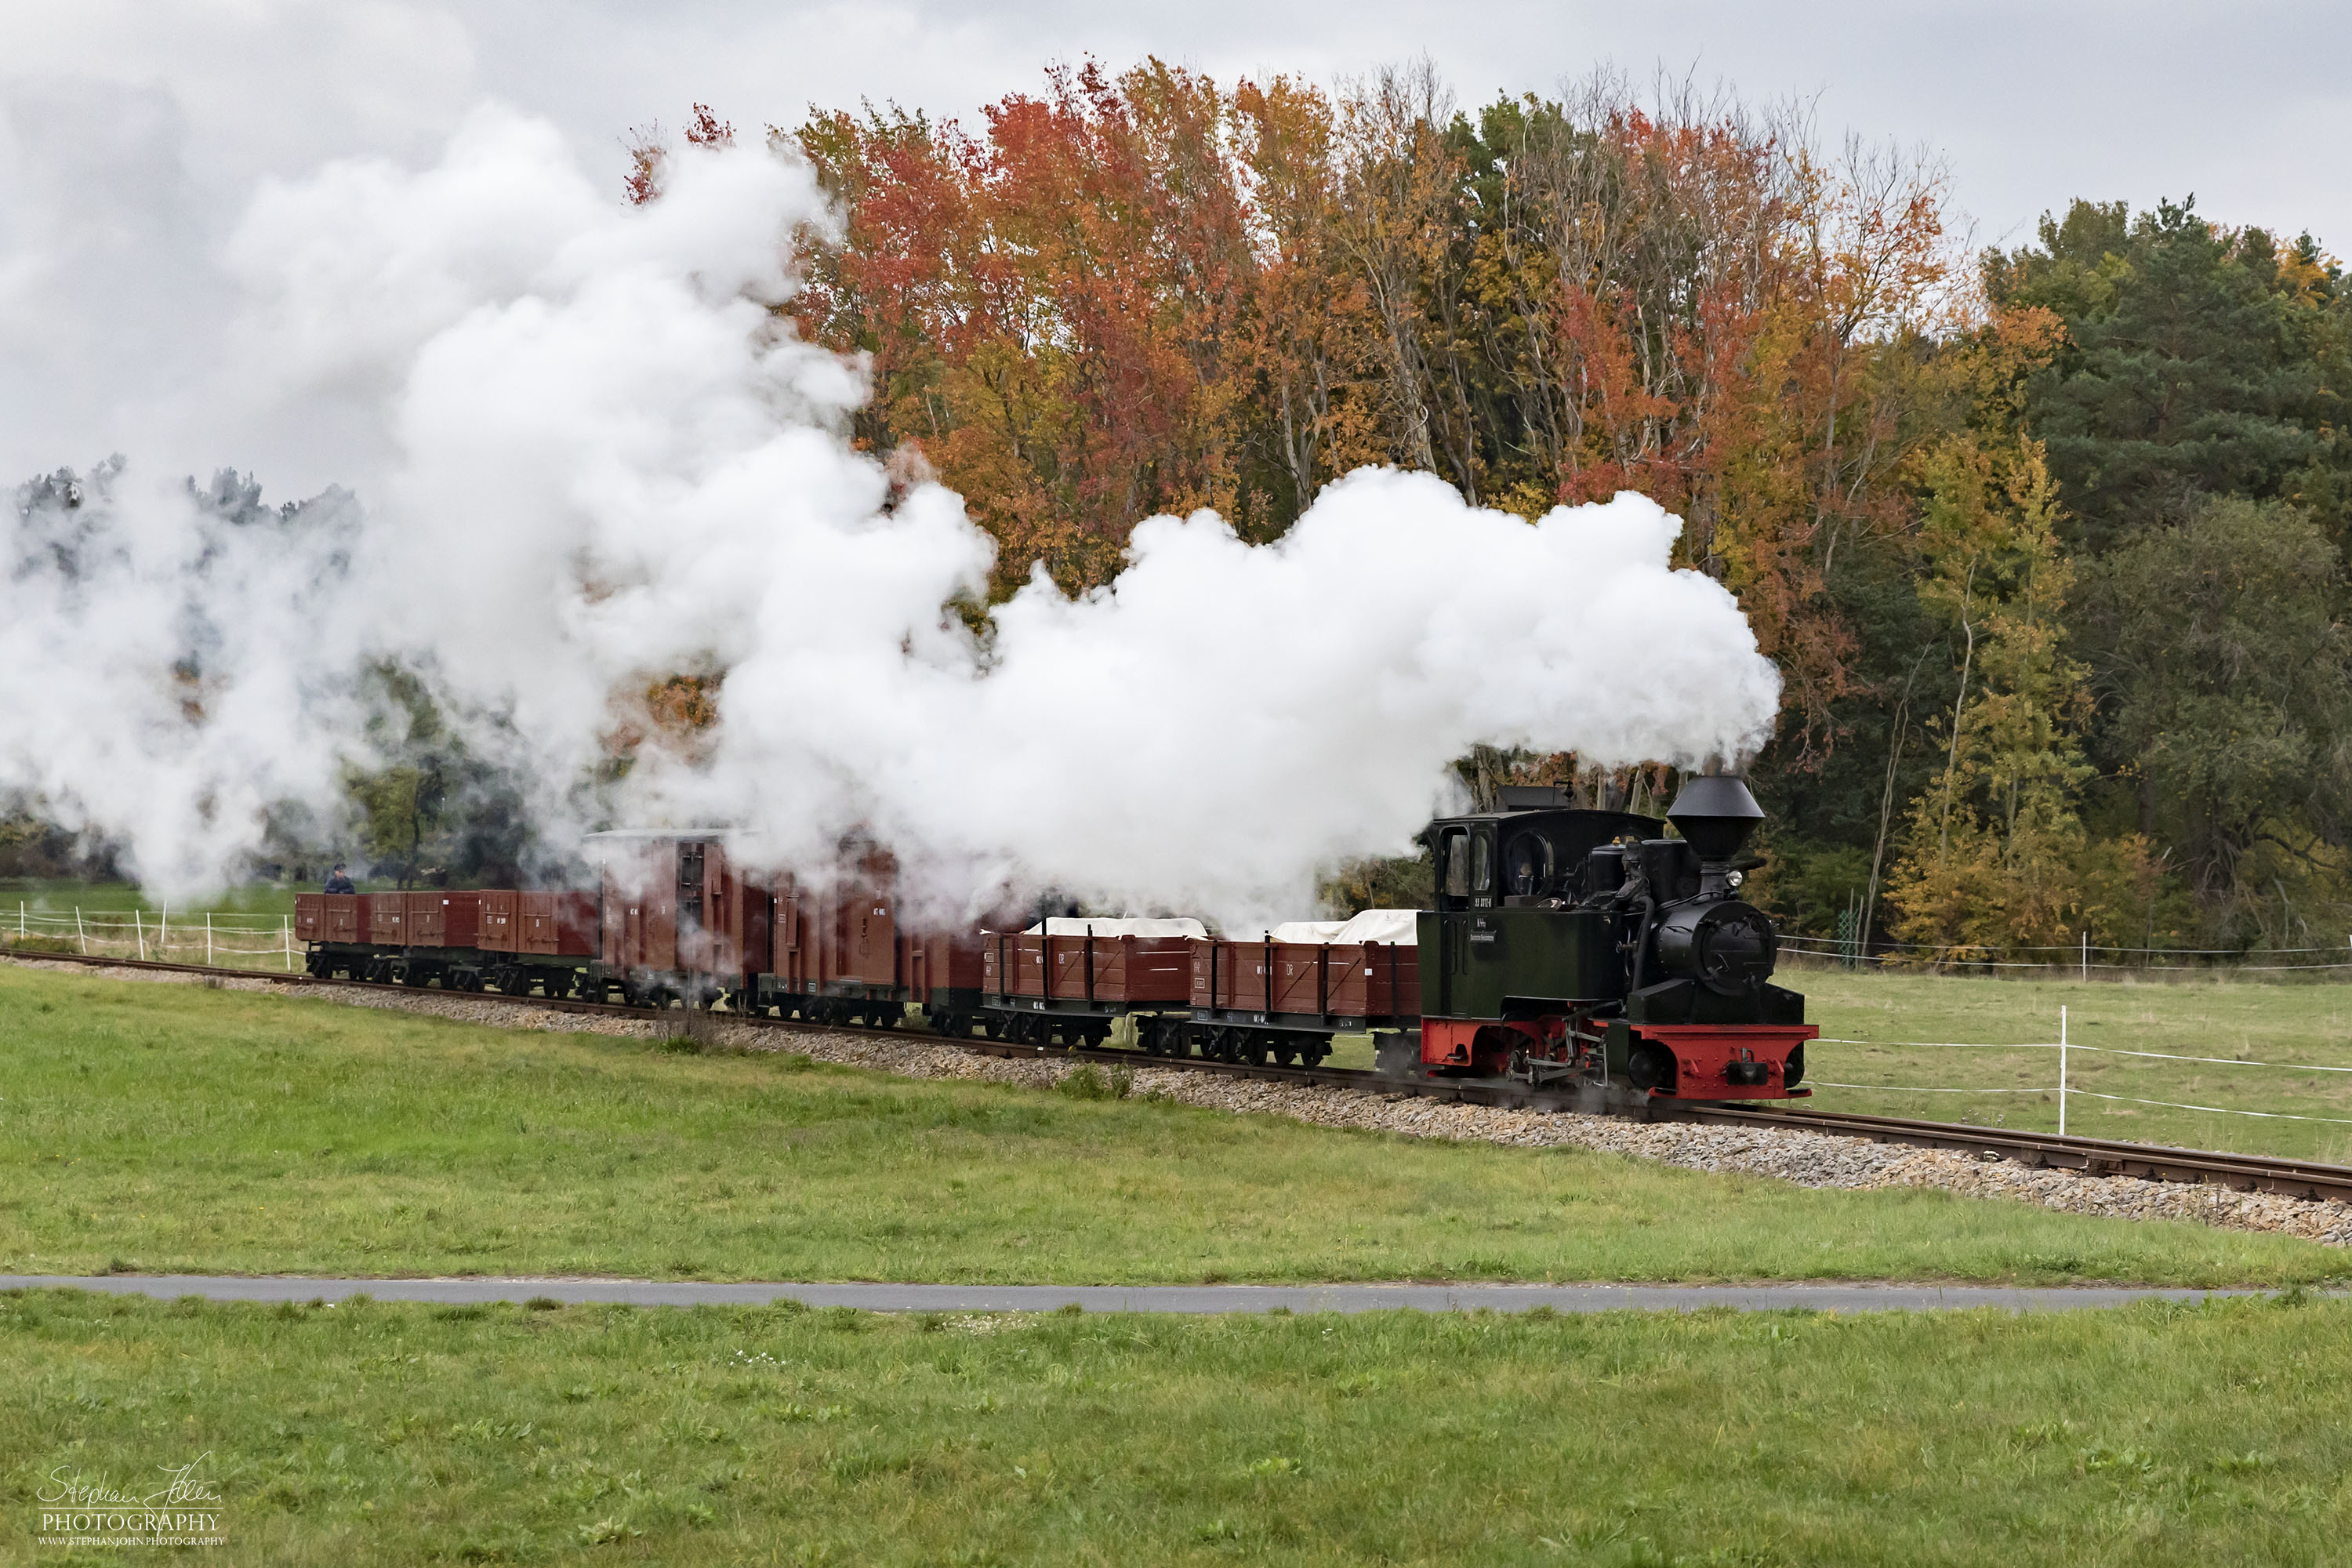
{"type": "Point", "coordinates": [2257, 1021]}
{"type": "Point", "coordinates": [176, 1128]}
{"type": "Point", "coordinates": [380, 1433]}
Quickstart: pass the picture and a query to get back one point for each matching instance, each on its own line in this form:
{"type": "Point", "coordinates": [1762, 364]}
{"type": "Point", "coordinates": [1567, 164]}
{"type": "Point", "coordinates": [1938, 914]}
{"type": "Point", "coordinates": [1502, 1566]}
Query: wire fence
{"type": "Point", "coordinates": [244, 942]}
{"type": "Point", "coordinates": [2065, 1087]}
{"type": "Point", "coordinates": [2083, 960]}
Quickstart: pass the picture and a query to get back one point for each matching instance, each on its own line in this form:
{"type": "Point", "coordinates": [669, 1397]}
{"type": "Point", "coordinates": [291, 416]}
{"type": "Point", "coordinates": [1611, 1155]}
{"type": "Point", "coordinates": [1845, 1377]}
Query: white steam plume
{"type": "Point", "coordinates": [599, 457]}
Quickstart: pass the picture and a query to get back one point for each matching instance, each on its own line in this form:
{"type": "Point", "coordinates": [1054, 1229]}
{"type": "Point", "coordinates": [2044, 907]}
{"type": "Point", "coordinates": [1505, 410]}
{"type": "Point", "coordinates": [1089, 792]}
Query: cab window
{"type": "Point", "coordinates": [1528, 866]}
{"type": "Point", "coordinates": [1457, 872]}
{"type": "Point", "coordinates": [1482, 869]}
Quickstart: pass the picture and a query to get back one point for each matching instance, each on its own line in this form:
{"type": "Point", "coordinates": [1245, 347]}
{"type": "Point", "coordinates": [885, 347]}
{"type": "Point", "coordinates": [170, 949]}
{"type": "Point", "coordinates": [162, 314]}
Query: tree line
{"type": "Point", "coordinates": [2047, 542]}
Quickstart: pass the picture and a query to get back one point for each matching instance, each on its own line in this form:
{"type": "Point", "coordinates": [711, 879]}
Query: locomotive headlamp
{"type": "Point", "coordinates": [1733, 879]}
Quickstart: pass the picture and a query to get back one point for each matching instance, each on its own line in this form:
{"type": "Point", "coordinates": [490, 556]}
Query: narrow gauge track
{"type": "Point", "coordinates": [2095, 1156]}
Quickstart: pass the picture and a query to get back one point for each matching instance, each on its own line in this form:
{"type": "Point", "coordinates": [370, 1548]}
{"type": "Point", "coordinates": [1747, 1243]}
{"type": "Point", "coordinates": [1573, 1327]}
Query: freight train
{"type": "Point", "coordinates": [1579, 951]}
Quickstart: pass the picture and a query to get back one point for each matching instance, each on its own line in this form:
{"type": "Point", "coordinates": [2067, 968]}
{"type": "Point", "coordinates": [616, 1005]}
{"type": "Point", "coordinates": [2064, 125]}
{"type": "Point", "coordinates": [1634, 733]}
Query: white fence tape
{"type": "Point", "coordinates": [2216, 1110]}
{"type": "Point", "coordinates": [1915, 1088]}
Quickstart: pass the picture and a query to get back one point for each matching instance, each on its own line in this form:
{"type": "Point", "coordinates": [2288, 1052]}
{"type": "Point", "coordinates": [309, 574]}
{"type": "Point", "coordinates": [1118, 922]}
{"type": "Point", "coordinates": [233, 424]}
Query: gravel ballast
{"type": "Point", "coordinates": [1794, 1155]}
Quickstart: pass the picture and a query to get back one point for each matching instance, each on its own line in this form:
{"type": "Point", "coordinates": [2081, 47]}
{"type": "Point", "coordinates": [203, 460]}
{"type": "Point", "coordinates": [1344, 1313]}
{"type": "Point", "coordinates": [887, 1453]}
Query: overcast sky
{"type": "Point", "coordinates": [134, 131]}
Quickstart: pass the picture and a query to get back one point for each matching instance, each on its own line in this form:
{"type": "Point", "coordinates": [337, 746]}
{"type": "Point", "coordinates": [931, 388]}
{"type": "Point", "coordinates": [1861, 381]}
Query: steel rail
{"type": "Point", "coordinates": [2092, 1156]}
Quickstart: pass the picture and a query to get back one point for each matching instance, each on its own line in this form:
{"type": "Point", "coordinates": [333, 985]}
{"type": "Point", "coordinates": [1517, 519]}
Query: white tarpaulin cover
{"type": "Point", "coordinates": [1079, 925]}
{"type": "Point", "coordinates": [1402, 927]}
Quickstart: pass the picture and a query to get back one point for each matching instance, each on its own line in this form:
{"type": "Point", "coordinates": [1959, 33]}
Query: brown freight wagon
{"type": "Point", "coordinates": [424, 937]}
{"type": "Point", "coordinates": [1284, 1000]}
{"type": "Point", "coordinates": [334, 929]}
{"type": "Point", "coordinates": [538, 942]}
{"type": "Point", "coordinates": [945, 974]}
{"type": "Point", "coordinates": [1071, 978]}
{"type": "Point", "coordinates": [679, 922]}
{"type": "Point", "coordinates": [837, 952]}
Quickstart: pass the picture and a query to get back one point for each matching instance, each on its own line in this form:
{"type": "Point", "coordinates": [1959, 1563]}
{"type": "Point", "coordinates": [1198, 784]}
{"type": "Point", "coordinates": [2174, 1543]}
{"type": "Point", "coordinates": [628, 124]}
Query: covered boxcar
{"type": "Point", "coordinates": [836, 953]}
{"type": "Point", "coordinates": [679, 923]}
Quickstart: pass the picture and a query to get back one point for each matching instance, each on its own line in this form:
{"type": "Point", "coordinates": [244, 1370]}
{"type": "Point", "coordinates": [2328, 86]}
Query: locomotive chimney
{"type": "Point", "coordinates": [1714, 814]}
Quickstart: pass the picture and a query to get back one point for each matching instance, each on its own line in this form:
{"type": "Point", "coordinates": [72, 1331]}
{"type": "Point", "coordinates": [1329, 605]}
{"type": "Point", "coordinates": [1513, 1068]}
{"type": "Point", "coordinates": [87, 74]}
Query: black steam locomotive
{"type": "Point", "coordinates": [1584, 949]}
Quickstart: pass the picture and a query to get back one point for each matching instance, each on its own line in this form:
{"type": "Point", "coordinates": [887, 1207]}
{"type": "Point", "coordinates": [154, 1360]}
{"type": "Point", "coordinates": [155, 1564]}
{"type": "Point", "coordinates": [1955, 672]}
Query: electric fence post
{"type": "Point", "coordinates": [2062, 1072]}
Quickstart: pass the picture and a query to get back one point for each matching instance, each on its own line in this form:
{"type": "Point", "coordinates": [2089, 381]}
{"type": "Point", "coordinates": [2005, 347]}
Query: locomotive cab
{"type": "Point", "coordinates": [1570, 945]}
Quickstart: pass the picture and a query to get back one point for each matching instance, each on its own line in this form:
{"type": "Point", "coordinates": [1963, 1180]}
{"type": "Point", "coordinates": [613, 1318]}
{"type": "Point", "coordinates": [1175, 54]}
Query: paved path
{"type": "Point", "coordinates": [1130, 1297]}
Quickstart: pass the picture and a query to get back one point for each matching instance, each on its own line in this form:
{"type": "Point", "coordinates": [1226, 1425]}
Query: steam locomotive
{"type": "Point", "coordinates": [1575, 947]}
{"type": "Point", "coordinates": [1578, 950]}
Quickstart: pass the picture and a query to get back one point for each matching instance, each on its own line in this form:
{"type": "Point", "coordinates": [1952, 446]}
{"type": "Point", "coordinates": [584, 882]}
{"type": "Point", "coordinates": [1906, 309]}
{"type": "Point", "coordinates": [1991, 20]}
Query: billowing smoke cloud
{"type": "Point", "coordinates": [592, 454]}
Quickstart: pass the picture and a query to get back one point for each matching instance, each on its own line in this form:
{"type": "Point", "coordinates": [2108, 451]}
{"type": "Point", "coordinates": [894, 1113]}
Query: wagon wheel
{"type": "Point", "coordinates": [1286, 1053]}
{"type": "Point", "coordinates": [1253, 1048]}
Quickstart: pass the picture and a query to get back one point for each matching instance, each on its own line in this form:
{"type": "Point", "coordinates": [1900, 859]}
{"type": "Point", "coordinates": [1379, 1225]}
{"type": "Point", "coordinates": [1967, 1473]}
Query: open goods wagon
{"type": "Point", "coordinates": [1070, 979]}
{"type": "Point", "coordinates": [1284, 996]}
{"type": "Point", "coordinates": [462, 941]}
